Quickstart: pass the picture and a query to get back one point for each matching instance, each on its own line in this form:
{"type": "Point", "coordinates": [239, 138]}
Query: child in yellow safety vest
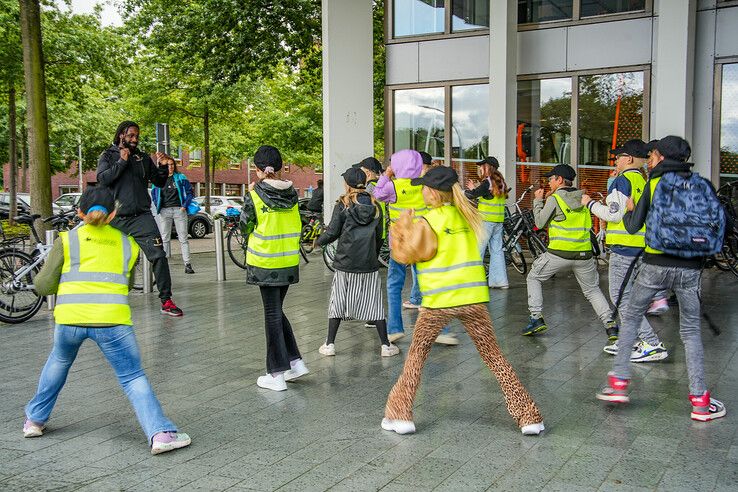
{"type": "Point", "coordinates": [90, 270]}
{"type": "Point", "coordinates": [271, 219]}
{"type": "Point", "coordinates": [443, 246]}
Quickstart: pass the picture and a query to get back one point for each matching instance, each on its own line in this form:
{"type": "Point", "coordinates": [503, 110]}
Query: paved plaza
{"type": "Point", "coordinates": [323, 433]}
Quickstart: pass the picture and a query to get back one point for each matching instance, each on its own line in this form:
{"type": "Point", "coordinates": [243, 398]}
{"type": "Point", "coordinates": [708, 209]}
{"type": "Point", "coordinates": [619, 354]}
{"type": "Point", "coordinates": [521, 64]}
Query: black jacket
{"type": "Point", "coordinates": [358, 229]}
{"type": "Point", "coordinates": [316, 201]}
{"type": "Point", "coordinates": [280, 196]}
{"type": "Point", "coordinates": [636, 219]}
{"type": "Point", "coordinates": [129, 180]}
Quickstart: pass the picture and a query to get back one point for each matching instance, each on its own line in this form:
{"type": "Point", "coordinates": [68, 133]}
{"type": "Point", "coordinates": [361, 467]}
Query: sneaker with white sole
{"type": "Point", "coordinates": [393, 337]}
{"type": "Point", "coordinates": [297, 369]}
{"type": "Point", "coordinates": [532, 429]}
{"type": "Point", "coordinates": [611, 349]}
{"type": "Point", "coordinates": [615, 391]}
{"type": "Point", "coordinates": [410, 305]}
{"type": "Point", "coordinates": [645, 352]}
{"type": "Point", "coordinates": [274, 383]}
{"type": "Point", "coordinates": [164, 442]}
{"type": "Point", "coordinates": [370, 324]}
{"type": "Point", "coordinates": [447, 339]}
{"type": "Point", "coordinates": [658, 307]}
{"type": "Point", "coordinates": [328, 349]}
{"type": "Point", "coordinates": [32, 429]}
{"type": "Point", "coordinates": [390, 350]}
{"type": "Point", "coordinates": [399, 426]}
{"type": "Point", "coordinates": [705, 408]}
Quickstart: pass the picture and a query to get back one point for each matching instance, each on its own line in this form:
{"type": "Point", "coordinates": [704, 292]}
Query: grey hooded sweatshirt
{"type": "Point", "coordinates": [543, 213]}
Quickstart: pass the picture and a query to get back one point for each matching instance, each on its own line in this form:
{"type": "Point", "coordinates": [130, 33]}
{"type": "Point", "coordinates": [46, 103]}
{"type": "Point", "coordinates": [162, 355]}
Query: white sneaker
{"type": "Point", "coordinates": [275, 383]}
{"type": "Point", "coordinates": [370, 324]}
{"type": "Point", "coordinates": [32, 429]}
{"type": "Point", "coordinates": [297, 369]}
{"type": "Point", "coordinates": [328, 349]}
{"type": "Point", "coordinates": [532, 429]}
{"type": "Point", "coordinates": [393, 337]}
{"type": "Point", "coordinates": [410, 305]}
{"type": "Point", "coordinates": [448, 339]}
{"type": "Point", "coordinates": [645, 352]}
{"type": "Point", "coordinates": [611, 349]}
{"type": "Point", "coordinates": [399, 426]}
{"type": "Point", "coordinates": [390, 350]}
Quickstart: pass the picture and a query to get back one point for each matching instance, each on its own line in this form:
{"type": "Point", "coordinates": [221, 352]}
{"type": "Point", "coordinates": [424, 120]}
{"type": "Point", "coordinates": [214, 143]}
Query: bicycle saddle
{"type": "Point", "coordinates": [27, 219]}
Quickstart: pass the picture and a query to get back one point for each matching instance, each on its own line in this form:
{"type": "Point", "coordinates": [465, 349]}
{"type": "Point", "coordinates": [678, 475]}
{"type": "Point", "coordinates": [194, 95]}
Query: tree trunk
{"type": "Point", "coordinates": [206, 158]}
{"type": "Point", "coordinates": [13, 153]}
{"type": "Point", "coordinates": [38, 124]}
{"type": "Point", "coordinates": [24, 161]}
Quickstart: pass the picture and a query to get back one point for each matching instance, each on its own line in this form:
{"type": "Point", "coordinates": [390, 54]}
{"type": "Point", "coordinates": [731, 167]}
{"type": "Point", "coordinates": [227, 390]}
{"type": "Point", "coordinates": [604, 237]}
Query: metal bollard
{"type": "Point", "coordinates": [219, 251]}
{"type": "Point", "coordinates": [146, 274]}
{"type": "Point", "coordinates": [50, 300]}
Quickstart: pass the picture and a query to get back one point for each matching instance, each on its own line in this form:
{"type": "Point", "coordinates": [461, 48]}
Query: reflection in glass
{"type": "Point", "coordinates": [414, 17]}
{"type": "Point", "coordinates": [470, 14]}
{"type": "Point", "coordinates": [543, 134]}
{"type": "Point", "coordinates": [610, 113]}
{"type": "Point", "coordinates": [470, 128]}
{"type": "Point", "coordinates": [729, 124]}
{"type": "Point", "coordinates": [603, 7]}
{"type": "Point", "coordinates": [544, 10]}
{"type": "Point", "coordinates": [419, 120]}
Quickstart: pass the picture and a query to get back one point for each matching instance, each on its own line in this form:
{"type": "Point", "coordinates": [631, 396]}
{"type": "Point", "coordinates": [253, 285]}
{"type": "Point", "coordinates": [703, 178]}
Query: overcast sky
{"type": "Point", "coordinates": [109, 14]}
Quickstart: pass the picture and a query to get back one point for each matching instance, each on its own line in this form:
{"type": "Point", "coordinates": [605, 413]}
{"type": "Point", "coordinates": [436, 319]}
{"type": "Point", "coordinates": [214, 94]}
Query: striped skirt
{"type": "Point", "coordinates": [356, 296]}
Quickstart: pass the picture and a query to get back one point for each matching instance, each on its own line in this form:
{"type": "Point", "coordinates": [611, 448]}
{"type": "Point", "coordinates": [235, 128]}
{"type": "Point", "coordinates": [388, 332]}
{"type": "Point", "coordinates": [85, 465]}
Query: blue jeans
{"type": "Point", "coordinates": [118, 344]}
{"type": "Point", "coordinates": [396, 273]}
{"type": "Point", "coordinates": [497, 266]}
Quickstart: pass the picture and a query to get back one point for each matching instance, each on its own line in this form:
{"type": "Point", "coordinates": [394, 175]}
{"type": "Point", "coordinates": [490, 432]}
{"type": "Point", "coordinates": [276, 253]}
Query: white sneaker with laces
{"type": "Point", "coordinates": [611, 349]}
{"type": "Point", "coordinates": [274, 383]}
{"type": "Point", "coordinates": [532, 429]}
{"type": "Point", "coordinates": [328, 349]}
{"type": "Point", "coordinates": [645, 352]}
{"type": "Point", "coordinates": [297, 369]}
{"type": "Point", "coordinates": [447, 339]}
{"type": "Point", "coordinates": [399, 426]}
{"type": "Point", "coordinates": [390, 350]}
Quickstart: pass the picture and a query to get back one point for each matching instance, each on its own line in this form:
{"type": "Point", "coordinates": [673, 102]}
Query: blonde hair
{"type": "Point", "coordinates": [457, 197]}
{"type": "Point", "coordinates": [352, 196]}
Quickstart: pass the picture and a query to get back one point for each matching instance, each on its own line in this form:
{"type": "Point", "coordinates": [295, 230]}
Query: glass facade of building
{"type": "Point", "coordinates": [728, 139]}
{"type": "Point", "coordinates": [419, 121]}
{"type": "Point", "coordinates": [418, 17]}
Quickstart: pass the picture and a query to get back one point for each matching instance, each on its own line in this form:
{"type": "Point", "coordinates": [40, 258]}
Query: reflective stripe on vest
{"type": "Point", "coordinates": [275, 243]}
{"type": "Point", "coordinates": [408, 197]}
{"type": "Point", "coordinates": [455, 275]}
{"type": "Point", "coordinates": [652, 183]}
{"type": "Point", "coordinates": [492, 210]}
{"type": "Point", "coordinates": [617, 235]}
{"type": "Point", "coordinates": [572, 233]}
{"type": "Point", "coordinates": [93, 287]}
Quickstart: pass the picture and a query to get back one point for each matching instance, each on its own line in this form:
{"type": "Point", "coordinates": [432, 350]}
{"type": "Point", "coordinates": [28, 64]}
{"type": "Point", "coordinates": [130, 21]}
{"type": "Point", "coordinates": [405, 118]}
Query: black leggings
{"type": "Point", "coordinates": [334, 323]}
{"type": "Point", "coordinates": [280, 341]}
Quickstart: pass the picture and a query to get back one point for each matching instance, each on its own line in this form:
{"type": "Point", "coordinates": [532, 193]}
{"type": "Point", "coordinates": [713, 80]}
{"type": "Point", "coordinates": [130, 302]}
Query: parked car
{"type": "Point", "coordinates": [23, 204]}
{"type": "Point", "coordinates": [219, 204]}
{"type": "Point", "coordinates": [68, 201]}
{"type": "Point", "coordinates": [201, 224]}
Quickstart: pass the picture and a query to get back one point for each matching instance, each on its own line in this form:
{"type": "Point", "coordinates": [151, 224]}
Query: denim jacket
{"type": "Point", "coordinates": [184, 188]}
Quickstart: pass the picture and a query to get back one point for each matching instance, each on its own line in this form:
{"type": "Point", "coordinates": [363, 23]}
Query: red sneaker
{"type": "Point", "coordinates": [615, 391]}
{"type": "Point", "coordinates": [171, 309]}
{"type": "Point", "coordinates": [705, 408]}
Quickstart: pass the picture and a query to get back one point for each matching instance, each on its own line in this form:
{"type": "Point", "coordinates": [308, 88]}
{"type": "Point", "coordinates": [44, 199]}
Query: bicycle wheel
{"type": "Point", "coordinates": [730, 253]}
{"type": "Point", "coordinates": [384, 254]}
{"type": "Point", "coordinates": [329, 254]}
{"type": "Point", "coordinates": [535, 246]}
{"type": "Point", "coordinates": [306, 238]}
{"type": "Point", "coordinates": [236, 244]}
{"type": "Point", "coordinates": [16, 303]}
{"type": "Point", "coordinates": [518, 260]}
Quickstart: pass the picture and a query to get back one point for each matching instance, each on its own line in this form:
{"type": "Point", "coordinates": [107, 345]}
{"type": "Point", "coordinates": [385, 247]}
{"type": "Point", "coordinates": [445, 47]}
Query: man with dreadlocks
{"type": "Point", "coordinates": [127, 172]}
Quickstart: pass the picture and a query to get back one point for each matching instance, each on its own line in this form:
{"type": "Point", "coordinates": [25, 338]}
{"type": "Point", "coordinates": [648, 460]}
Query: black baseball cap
{"type": "Point", "coordinates": [97, 196]}
{"type": "Point", "coordinates": [563, 170]}
{"type": "Point", "coordinates": [671, 147]}
{"type": "Point", "coordinates": [354, 177]}
{"type": "Point", "coordinates": [370, 163]}
{"type": "Point", "coordinates": [633, 148]}
{"type": "Point", "coordinates": [427, 158]}
{"type": "Point", "coordinates": [490, 161]}
{"type": "Point", "coordinates": [439, 178]}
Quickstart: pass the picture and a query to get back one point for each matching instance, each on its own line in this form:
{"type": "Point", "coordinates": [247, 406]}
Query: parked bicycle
{"type": "Point", "coordinates": [237, 242]}
{"type": "Point", "coordinates": [311, 231]}
{"type": "Point", "coordinates": [329, 253]}
{"type": "Point", "coordinates": [519, 224]}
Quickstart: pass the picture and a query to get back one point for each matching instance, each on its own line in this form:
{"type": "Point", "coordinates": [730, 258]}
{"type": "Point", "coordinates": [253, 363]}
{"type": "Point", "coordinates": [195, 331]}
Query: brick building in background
{"type": "Point", "coordinates": [231, 182]}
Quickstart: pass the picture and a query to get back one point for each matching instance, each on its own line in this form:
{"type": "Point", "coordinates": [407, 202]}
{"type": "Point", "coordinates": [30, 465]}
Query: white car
{"type": "Point", "coordinates": [220, 204]}
{"type": "Point", "coordinates": [68, 201]}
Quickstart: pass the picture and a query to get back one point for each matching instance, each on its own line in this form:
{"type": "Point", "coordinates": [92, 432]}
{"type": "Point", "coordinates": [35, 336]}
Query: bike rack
{"type": "Point", "coordinates": [219, 251]}
{"type": "Point", "coordinates": [148, 279]}
{"type": "Point", "coordinates": [51, 299]}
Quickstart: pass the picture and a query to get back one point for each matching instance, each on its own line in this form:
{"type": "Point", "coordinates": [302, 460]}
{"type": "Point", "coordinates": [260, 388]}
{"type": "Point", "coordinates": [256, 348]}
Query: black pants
{"type": "Point", "coordinates": [281, 343]}
{"type": "Point", "coordinates": [145, 232]}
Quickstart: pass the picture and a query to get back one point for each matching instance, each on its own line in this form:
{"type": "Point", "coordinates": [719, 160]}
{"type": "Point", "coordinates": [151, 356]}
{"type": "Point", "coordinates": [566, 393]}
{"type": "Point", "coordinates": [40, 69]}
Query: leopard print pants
{"type": "Point", "coordinates": [478, 324]}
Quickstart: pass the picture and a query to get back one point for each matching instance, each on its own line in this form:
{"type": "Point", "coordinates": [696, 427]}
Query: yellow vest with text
{"type": "Point", "coordinates": [455, 275]}
{"type": "Point", "coordinates": [408, 197]}
{"type": "Point", "coordinates": [617, 235]}
{"type": "Point", "coordinates": [572, 233]}
{"type": "Point", "coordinates": [275, 242]}
{"type": "Point", "coordinates": [93, 288]}
{"type": "Point", "coordinates": [652, 183]}
{"type": "Point", "coordinates": [492, 210]}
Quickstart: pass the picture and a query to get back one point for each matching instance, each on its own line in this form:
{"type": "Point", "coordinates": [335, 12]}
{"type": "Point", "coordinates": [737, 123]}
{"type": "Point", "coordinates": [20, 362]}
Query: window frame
{"type": "Point", "coordinates": [578, 20]}
{"type": "Point", "coordinates": [717, 100]}
{"type": "Point", "coordinates": [448, 32]}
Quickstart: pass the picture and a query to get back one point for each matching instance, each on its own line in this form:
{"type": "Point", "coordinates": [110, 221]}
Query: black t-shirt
{"type": "Point", "coordinates": [170, 195]}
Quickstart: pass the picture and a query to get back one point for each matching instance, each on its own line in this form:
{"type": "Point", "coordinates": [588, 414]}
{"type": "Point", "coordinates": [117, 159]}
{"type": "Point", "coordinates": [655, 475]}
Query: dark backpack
{"type": "Point", "coordinates": [686, 218]}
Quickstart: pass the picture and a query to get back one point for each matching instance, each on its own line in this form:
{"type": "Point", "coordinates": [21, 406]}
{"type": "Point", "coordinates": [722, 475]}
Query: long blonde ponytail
{"type": "Point", "coordinates": [469, 211]}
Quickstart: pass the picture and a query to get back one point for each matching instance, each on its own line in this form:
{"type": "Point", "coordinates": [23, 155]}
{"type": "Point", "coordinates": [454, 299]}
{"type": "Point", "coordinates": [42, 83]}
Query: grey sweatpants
{"type": "Point", "coordinates": [585, 271]}
{"type": "Point", "coordinates": [619, 265]}
{"type": "Point", "coordinates": [685, 282]}
{"type": "Point", "coordinates": [179, 217]}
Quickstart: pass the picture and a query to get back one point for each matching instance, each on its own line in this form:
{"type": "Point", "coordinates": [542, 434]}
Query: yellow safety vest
{"type": "Point", "coordinates": [455, 275]}
{"type": "Point", "coordinates": [93, 288]}
{"type": "Point", "coordinates": [275, 243]}
{"type": "Point", "coordinates": [408, 197]}
{"type": "Point", "coordinates": [492, 210]}
{"type": "Point", "coordinates": [617, 235]}
{"type": "Point", "coordinates": [572, 233]}
{"type": "Point", "coordinates": [652, 183]}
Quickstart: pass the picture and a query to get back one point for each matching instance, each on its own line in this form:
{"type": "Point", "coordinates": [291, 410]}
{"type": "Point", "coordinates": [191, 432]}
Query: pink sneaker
{"type": "Point", "coordinates": [658, 307]}
{"type": "Point", "coordinates": [615, 391]}
{"type": "Point", "coordinates": [705, 408]}
{"type": "Point", "coordinates": [164, 442]}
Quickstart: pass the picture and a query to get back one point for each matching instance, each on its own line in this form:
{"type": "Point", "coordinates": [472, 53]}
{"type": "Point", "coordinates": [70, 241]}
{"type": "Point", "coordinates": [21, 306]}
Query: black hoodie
{"type": "Point", "coordinates": [637, 218]}
{"type": "Point", "coordinates": [358, 229]}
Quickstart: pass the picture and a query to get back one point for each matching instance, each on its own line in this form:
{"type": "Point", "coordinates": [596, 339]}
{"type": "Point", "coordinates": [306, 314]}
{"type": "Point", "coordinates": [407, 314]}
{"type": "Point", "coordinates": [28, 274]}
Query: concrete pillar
{"type": "Point", "coordinates": [674, 69]}
{"type": "Point", "coordinates": [197, 189]}
{"type": "Point", "coordinates": [704, 90]}
{"type": "Point", "coordinates": [503, 85]}
{"type": "Point", "coordinates": [348, 119]}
